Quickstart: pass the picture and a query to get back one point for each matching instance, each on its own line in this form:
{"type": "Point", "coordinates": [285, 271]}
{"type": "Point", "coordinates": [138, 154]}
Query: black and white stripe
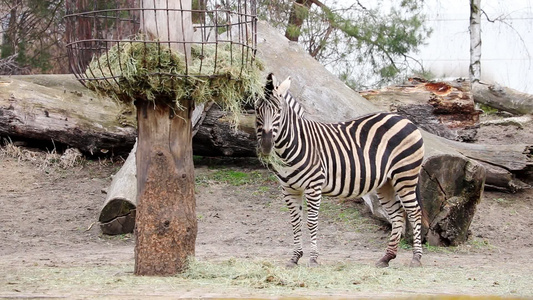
{"type": "Point", "coordinates": [379, 152]}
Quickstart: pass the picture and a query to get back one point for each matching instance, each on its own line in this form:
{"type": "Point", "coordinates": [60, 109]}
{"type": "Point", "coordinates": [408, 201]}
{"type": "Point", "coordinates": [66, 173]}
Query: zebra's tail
{"type": "Point", "coordinates": [425, 219]}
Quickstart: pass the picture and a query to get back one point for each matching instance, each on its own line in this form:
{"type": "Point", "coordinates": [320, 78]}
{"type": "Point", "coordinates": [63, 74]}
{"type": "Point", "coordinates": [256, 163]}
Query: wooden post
{"type": "Point", "coordinates": [169, 22]}
{"type": "Point", "coordinates": [166, 223]}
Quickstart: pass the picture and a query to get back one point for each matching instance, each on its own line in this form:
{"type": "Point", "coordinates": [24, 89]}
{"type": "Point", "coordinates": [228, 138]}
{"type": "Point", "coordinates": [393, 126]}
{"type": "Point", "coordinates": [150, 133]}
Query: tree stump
{"type": "Point", "coordinates": [451, 187]}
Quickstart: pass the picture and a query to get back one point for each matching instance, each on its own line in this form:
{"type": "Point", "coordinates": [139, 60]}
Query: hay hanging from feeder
{"type": "Point", "coordinates": [150, 71]}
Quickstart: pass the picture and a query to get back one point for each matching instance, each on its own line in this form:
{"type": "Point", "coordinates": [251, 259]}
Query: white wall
{"type": "Point", "coordinates": [507, 45]}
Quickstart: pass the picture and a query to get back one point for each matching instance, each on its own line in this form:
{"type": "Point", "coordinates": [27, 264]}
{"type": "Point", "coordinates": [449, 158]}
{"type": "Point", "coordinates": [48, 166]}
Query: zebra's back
{"type": "Point", "coordinates": [360, 155]}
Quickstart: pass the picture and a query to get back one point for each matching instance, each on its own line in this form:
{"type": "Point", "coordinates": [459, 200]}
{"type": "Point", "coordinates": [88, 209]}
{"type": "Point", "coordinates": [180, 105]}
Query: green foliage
{"type": "Point", "coordinates": [293, 30]}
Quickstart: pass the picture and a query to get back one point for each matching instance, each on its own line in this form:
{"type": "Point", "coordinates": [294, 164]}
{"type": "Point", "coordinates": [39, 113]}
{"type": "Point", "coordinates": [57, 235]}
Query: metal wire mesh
{"type": "Point", "coordinates": [96, 28]}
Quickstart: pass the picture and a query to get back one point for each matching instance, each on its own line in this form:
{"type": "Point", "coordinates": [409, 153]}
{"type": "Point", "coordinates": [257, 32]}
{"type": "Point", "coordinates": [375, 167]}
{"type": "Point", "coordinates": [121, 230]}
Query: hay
{"type": "Point", "coordinates": [152, 71]}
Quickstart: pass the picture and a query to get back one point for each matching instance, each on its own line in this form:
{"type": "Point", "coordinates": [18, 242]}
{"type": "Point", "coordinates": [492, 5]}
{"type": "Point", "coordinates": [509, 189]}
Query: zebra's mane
{"type": "Point", "coordinates": [294, 104]}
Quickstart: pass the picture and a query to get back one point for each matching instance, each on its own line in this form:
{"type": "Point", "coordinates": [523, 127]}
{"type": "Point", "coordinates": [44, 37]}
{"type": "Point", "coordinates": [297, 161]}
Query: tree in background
{"type": "Point", "coordinates": [365, 47]}
{"type": "Point", "coordinates": [32, 37]}
{"type": "Point", "coordinates": [475, 40]}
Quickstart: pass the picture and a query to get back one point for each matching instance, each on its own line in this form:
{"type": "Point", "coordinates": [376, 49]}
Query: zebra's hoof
{"type": "Point", "coordinates": [384, 261]}
{"type": "Point", "coordinates": [415, 263]}
{"type": "Point", "coordinates": [291, 264]}
{"type": "Point", "coordinates": [382, 264]}
{"type": "Point", "coordinates": [313, 263]}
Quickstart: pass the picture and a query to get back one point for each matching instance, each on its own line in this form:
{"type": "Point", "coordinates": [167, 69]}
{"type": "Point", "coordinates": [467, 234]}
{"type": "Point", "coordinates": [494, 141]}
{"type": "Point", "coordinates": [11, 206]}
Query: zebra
{"type": "Point", "coordinates": [380, 152]}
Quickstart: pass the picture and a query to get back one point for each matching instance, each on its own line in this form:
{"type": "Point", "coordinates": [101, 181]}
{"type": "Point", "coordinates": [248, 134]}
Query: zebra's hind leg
{"type": "Point", "coordinates": [409, 200]}
{"type": "Point", "coordinates": [395, 210]}
{"type": "Point", "coordinates": [294, 203]}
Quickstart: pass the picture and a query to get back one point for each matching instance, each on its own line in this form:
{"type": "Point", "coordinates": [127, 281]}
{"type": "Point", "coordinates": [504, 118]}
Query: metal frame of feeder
{"type": "Point", "coordinates": [95, 26]}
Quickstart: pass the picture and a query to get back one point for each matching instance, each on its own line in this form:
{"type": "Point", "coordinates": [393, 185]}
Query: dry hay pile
{"type": "Point", "coordinates": [151, 70]}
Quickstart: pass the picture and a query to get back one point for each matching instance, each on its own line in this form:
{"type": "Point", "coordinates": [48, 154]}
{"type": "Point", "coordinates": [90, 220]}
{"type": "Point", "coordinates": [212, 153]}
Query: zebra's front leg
{"type": "Point", "coordinates": [294, 203]}
{"type": "Point", "coordinates": [313, 205]}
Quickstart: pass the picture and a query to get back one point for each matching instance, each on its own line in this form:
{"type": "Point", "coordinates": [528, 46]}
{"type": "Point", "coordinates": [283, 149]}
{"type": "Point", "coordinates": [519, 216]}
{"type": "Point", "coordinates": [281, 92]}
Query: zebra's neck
{"type": "Point", "coordinates": [288, 146]}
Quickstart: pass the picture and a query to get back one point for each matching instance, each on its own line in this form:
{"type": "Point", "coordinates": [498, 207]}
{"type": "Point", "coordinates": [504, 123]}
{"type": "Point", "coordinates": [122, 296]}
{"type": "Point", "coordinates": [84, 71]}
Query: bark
{"type": "Point", "coordinates": [503, 98]}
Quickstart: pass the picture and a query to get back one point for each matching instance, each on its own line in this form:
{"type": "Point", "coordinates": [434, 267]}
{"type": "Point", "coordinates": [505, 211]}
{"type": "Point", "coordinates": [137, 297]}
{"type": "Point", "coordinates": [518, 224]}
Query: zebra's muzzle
{"type": "Point", "coordinates": [265, 143]}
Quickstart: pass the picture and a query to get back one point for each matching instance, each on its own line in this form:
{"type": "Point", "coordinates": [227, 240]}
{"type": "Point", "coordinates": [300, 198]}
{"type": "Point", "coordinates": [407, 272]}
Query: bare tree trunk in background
{"type": "Point", "coordinates": [475, 40]}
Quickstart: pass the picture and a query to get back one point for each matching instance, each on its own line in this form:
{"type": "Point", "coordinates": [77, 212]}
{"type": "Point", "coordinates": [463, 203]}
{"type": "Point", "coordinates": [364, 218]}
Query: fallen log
{"type": "Point", "coordinates": [58, 108]}
{"type": "Point", "coordinates": [218, 136]}
{"type": "Point", "coordinates": [446, 109]}
{"type": "Point", "coordinates": [503, 98]}
{"type": "Point", "coordinates": [449, 208]}
{"type": "Point", "coordinates": [117, 215]}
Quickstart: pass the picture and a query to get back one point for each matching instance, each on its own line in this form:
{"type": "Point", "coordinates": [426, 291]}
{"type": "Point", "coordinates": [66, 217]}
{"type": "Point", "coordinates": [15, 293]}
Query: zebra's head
{"type": "Point", "coordinates": [268, 113]}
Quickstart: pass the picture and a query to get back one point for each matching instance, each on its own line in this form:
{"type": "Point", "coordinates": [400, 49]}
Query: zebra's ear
{"type": "Point", "coordinates": [271, 84]}
{"type": "Point", "coordinates": [284, 86]}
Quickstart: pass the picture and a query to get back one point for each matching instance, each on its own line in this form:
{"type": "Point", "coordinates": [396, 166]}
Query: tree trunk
{"type": "Point", "coordinates": [449, 208]}
{"type": "Point", "coordinates": [299, 12]}
{"type": "Point", "coordinates": [166, 223]}
{"type": "Point", "coordinates": [475, 40]}
{"type": "Point", "coordinates": [166, 226]}
{"type": "Point", "coordinates": [170, 22]}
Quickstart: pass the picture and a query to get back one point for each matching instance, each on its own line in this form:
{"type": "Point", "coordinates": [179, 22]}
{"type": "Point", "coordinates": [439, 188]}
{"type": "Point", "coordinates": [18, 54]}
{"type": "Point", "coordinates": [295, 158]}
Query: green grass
{"type": "Point", "coordinates": [236, 178]}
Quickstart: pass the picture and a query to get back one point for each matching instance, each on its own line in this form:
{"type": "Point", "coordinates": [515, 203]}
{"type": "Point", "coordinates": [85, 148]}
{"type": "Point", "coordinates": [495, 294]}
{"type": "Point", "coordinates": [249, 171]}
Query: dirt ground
{"type": "Point", "coordinates": [47, 229]}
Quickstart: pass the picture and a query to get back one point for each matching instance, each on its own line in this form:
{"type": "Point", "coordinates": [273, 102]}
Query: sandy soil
{"type": "Point", "coordinates": [47, 214]}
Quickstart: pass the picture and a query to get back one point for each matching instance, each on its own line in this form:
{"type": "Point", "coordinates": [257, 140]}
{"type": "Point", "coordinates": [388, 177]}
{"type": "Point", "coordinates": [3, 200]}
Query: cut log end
{"type": "Point", "coordinates": [117, 216]}
{"type": "Point", "coordinates": [451, 187]}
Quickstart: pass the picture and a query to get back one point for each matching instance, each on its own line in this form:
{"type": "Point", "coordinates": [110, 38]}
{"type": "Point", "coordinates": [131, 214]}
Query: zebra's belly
{"type": "Point", "coordinates": [347, 188]}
